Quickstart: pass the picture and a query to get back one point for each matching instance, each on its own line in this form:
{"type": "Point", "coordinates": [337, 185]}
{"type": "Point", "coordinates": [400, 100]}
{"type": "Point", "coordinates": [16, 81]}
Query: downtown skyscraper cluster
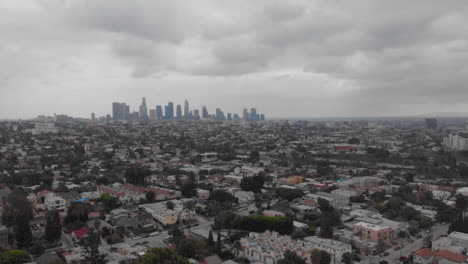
{"type": "Point", "coordinates": [121, 111]}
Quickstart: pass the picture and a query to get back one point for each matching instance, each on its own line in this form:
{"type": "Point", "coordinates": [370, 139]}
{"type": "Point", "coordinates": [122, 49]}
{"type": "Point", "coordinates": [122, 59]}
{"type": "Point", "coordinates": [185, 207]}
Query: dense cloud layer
{"type": "Point", "coordinates": [290, 58]}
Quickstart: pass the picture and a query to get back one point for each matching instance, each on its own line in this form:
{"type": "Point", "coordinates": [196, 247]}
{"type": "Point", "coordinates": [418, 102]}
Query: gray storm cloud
{"type": "Point", "coordinates": [340, 58]}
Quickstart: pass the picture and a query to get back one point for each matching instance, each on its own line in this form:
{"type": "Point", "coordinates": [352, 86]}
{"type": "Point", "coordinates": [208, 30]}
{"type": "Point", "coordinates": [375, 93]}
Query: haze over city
{"type": "Point", "coordinates": [289, 58]}
{"type": "Point", "coordinates": [233, 132]}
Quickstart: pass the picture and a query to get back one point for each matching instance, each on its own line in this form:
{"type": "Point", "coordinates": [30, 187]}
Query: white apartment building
{"type": "Point", "coordinates": [336, 200]}
{"type": "Point", "coordinates": [269, 247]}
{"type": "Point", "coordinates": [166, 216]}
{"type": "Point", "coordinates": [456, 141]}
{"type": "Point", "coordinates": [459, 239]}
{"type": "Point", "coordinates": [55, 203]}
{"type": "Point", "coordinates": [245, 197]}
{"type": "Point", "coordinates": [333, 247]}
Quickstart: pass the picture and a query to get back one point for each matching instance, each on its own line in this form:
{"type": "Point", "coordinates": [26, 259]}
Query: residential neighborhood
{"type": "Point", "coordinates": [100, 191]}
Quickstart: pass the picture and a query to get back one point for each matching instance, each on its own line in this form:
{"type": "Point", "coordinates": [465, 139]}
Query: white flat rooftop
{"type": "Point", "coordinates": [371, 226]}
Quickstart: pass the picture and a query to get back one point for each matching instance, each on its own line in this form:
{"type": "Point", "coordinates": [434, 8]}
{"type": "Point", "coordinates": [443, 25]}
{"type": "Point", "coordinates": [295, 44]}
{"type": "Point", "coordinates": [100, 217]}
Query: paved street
{"type": "Point", "coordinates": [407, 249]}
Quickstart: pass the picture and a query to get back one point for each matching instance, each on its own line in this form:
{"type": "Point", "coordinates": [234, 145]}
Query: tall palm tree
{"type": "Point", "coordinates": [97, 227]}
{"type": "Point", "coordinates": [237, 247]}
{"type": "Point", "coordinates": [189, 207]}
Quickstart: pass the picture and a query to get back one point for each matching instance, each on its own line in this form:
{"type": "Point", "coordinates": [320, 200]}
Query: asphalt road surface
{"type": "Point", "coordinates": [406, 249]}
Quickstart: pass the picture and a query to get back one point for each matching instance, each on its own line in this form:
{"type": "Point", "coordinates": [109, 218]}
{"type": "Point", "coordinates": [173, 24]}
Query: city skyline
{"type": "Point", "coordinates": [290, 58]}
{"type": "Point", "coordinates": [123, 111]}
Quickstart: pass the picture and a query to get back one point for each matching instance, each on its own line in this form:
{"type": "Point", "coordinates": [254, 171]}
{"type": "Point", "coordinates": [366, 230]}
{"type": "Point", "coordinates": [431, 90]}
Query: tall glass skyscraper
{"type": "Point", "coordinates": [186, 109]}
{"type": "Point", "coordinates": [143, 109]}
{"type": "Point", "coordinates": [169, 113]}
{"type": "Point", "coordinates": [159, 112]}
{"type": "Point", "coordinates": [179, 111]}
{"type": "Point", "coordinates": [119, 111]}
{"type": "Point", "coordinates": [204, 112]}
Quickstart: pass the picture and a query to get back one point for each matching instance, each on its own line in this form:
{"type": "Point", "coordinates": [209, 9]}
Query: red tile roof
{"type": "Point", "coordinates": [81, 232]}
{"type": "Point", "coordinates": [450, 255]}
{"type": "Point", "coordinates": [442, 254]}
{"type": "Point", "coordinates": [446, 188]}
{"type": "Point", "coordinates": [424, 252]}
{"type": "Point", "coordinates": [94, 214]}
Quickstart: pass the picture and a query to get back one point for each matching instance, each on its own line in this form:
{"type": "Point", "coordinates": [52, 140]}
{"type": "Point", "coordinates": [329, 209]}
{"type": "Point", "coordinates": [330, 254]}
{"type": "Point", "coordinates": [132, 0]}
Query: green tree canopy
{"type": "Point", "coordinates": [162, 256]}
{"type": "Point", "coordinates": [291, 258]}
{"type": "Point", "coordinates": [14, 257]}
{"type": "Point", "coordinates": [23, 233]}
{"type": "Point", "coordinates": [53, 229]}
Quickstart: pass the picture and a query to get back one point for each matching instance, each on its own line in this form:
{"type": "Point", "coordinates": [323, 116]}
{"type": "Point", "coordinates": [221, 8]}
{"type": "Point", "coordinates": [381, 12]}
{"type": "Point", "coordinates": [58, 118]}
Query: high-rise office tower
{"type": "Point", "coordinates": [166, 112]}
{"type": "Point", "coordinates": [179, 111]}
{"type": "Point", "coordinates": [253, 114]}
{"type": "Point", "coordinates": [169, 111]}
{"type": "Point", "coordinates": [93, 116]}
{"type": "Point", "coordinates": [204, 112]}
{"type": "Point", "coordinates": [196, 114]}
{"type": "Point", "coordinates": [236, 117]}
{"type": "Point", "coordinates": [159, 112]}
{"type": "Point", "coordinates": [219, 115]}
{"type": "Point", "coordinates": [431, 123]}
{"type": "Point", "coordinates": [143, 109]}
{"type": "Point", "coordinates": [229, 116]}
{"type": "Point", "coordinates": [115, 110]}
{"type": "Point", "coordinates": [127, 112]}
{"type": "Point", "coordinates": [152, 114]}
{"type": "Point", "coordinates": [186, 109]}
{"type": "Point", "coordinates": [262, 117]}
{"type": "Point", "coordinates": [119, 111]}
{"type": "Point", "coordinates": [245, 114]}
{"type": "Point", "coordinates": [133, 116]}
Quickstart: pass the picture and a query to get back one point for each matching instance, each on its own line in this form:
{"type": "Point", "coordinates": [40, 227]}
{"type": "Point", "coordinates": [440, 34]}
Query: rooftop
{"type": "Point", "coordinates": [371, 226]}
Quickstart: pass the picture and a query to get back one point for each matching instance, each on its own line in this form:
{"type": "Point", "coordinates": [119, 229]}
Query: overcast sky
{"type": "Point", "coordinates": [311, 58]}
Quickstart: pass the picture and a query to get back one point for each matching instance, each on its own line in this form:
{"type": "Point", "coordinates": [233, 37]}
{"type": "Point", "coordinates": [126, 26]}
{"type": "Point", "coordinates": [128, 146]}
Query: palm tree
{"type": "Point", "coordinates": [189, 207]}
{"type": "Point", "coordinates": [237, 247]}
{"type": "Point", "coordinates": [120, 231]}
{"type": "Point", "coordinates": [97, 227]}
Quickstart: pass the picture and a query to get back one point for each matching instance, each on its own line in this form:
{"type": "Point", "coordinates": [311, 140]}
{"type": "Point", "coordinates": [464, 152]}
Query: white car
{"type": "Point", "coordinates": [137, 237]}
{"type": "Point", "coordinates": [155, 233]}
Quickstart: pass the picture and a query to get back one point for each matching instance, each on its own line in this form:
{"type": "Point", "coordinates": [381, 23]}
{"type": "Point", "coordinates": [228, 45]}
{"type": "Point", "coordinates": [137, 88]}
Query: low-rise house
{"type": "Point", "coordinates": [4, 237]}
{"type": "Point", "coordinates": [269, 247]}
{"type": "Point", "coordinates": [303, 209]}
{"type": "Point", "coordinates": [55, 203]}
{"type": "Point", "coordinates": [131, 194]}
{"type": "Point", "coordinates": [459, 239]}
{"type": "Point", "coordinates": [336, 200]}
{"type": "Point", "coordinates": [365, 245]}
{"type": "Point", "coordinates": [245, 197]}
{"type": "Point", "coordinates": [427, 256]}
{"type": "Point", "coordinates": [122, 217]}
{"type": "Point", "coordinates": [346, 192]}
{"type": "Point", "coordinates": [373, 232]}
{"type": "Point", "coordinates": [445, 243]}
{"type": "Point", "coordinates": [80, 233]}
{"type": "Point", "coordinates": [333, 247]}
{"type": "Point", "coordinates": [273, 213]}
{"type": "Point", "coordinates": [165, 216]}
{"type": "Point", "coordinates": [371, 217]}
{"type": "Point", "coordinates": [203, 194]}
{"type": "Point", "coordinates": [90, 195]}
{"type": "Point", "coordinates": [204, 233]}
